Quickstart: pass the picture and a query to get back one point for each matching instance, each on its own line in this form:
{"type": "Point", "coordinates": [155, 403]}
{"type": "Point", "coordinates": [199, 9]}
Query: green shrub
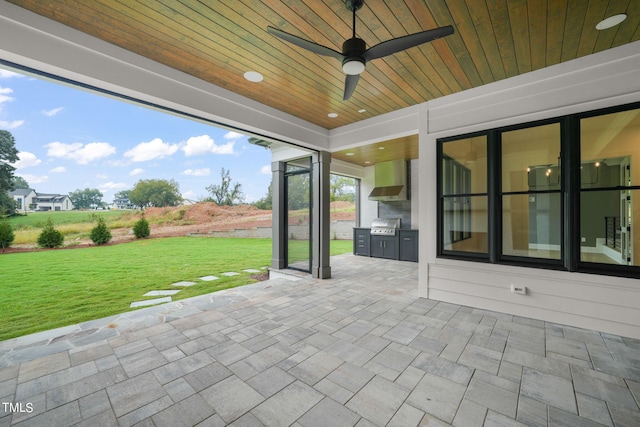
{"type": "Point", "coordinates": [141, 228]}
{"type": "Point", "coordinates": [6, 234]}
{"type": "Point", "coordinates": [100, 234]}
{"type": "Point", "coordinates": [50, 237]}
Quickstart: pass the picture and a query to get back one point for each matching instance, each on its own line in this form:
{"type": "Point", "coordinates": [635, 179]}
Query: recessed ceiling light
{"type": "Point", "coordinates": [349, 154]}
{"type": "Point", "coordinates": [380, 148]}
{"type": "Point", "coordinates": [253, 76]}
{"type": "Point", "coordinates": [332, 115]}
{"type": "Point", "coordinates": [362, 110]}
{"type": "Point", "coordinates": [611, 21]}
{"type": "Point", "coordinates": [367, 162]}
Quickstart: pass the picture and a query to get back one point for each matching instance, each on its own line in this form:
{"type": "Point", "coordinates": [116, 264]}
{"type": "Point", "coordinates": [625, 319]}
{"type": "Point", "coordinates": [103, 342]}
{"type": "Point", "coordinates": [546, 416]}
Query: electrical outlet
{"type": "Point", "coordinates": [521, 290]}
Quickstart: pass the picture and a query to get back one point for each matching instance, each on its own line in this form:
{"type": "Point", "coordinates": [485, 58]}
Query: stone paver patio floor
{"type": "Point", "coordinates": [360, 349]}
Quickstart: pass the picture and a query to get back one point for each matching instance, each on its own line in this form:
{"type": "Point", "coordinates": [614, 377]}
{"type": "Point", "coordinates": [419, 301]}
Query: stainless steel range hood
{"type": "Point", "coordinates": [390, 181]}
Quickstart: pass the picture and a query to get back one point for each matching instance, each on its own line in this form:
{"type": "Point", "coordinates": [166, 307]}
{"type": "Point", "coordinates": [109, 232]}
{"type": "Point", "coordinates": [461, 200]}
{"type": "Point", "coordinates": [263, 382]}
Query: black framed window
{"type": "Point", "coordinates": [610, 189]}
{"type": "Point", "coordinates": [530, 192]}
{"type": "Point", "coordinates": [562, 193]}
{"type": "Point", "coordinates": [464, 197]}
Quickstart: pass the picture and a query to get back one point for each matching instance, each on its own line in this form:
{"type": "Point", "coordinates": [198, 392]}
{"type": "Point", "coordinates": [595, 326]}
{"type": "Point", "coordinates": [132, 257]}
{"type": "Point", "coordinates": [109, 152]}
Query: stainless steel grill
{"type": "Point", "coordinates": [385, 226]}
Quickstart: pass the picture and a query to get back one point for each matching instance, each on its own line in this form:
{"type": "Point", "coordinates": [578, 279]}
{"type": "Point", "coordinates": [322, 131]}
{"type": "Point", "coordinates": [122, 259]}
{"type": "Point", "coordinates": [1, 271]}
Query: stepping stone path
{"type": "Point", "coordinates": [184, 284]}
{"type": "Point", "coordinates": [150, 302]}
{"type": "Point", "coordinates": [160, 293]}
{"type": "Point", "coordinates": [166, 294]}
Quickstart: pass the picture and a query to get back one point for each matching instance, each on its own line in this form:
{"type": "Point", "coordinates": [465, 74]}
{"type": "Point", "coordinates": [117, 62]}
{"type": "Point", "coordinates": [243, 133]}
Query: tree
{"type": "Point", "coordinates": [100, 234]}
{"type": "Point", "coordinates": [7, 204]}
{"type": "Point", "coordinates": [155, 193]}
{"type": "Point", "coordinates": [141, 228]}
{"type": "Point", "coordinates": [342, 188]}
{"type": "Point", "coordinates": [124, 194]}
{"type": "Point", "coordinates": [86, 199]}
{"type": "Point", "coordinates": [226, 194]}
{"type": "Point", "coordinates": [50, 237]}
{"type": "Point", "coordinates": [6, 234]}
{"type": "Point", "coordinates": [20, 182]}
{"type": "Point", "coordinates": [8, 155]}
{"type": "Point", "coordinates": [266, 203]}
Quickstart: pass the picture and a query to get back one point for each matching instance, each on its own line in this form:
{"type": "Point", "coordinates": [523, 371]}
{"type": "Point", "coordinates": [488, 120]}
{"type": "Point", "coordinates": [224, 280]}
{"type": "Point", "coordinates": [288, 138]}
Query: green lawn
{"type": "Point", "coordinates": [51, 288]}
{"type": "Point", "coordinates": [38, 219]}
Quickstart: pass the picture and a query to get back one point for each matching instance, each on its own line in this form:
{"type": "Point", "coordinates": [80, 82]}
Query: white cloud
{"type": "Point", "coordinates": [265, 170]}
{"type": "Point", "coordinates": [197, 172]}
{"type": "Point", "coordinates": [204, 144]}
{"type": "Point", "coordinates": [52, 112]}
{"type": "Point", "coordinates": [110, 186]}
{"type": "Point", "coordinates": [233, 135]}
{"type": "Point", "coordinates": [10, 125]}
{"type": "Point", "coordinates": [33, 179]}
{"type": "Point", "coordinates": [81, 154]}
{"type": "Point", "coordinates": [4, 94]}
{"type": "Point", "coordinates": [136, 171]}
{"type": "Point", "coordinates": [154, 149]}
{"type": "Point", "coordinates": [59, 169]}
{"type": "Point", "coordinates": [6, 74]}
{"type": "Point", "coordinates": [189, 195]}
{"type": "Point", "coordinates": [26, 160]}
{"type": "Point", "coordinates": [102, 176]}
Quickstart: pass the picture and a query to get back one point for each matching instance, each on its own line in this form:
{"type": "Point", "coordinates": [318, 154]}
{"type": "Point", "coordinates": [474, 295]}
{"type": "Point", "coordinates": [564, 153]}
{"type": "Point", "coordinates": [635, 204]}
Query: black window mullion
{"type": "Point", "coordinates": [494, 177]}
{"type": "Point", "coordinates": [570, 157]}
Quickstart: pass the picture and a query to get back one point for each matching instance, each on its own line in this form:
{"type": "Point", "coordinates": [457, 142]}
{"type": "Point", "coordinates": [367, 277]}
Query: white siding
{"type": "Point", "coordinates": [604, 303]}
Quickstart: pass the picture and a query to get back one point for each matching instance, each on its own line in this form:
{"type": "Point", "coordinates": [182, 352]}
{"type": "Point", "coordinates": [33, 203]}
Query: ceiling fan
{"type": "Point", "coordinates": [354, 55]}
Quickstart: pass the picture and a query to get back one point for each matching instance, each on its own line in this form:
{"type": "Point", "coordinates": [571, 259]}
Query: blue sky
{"type": "Point", "coordinates": [70, 139]}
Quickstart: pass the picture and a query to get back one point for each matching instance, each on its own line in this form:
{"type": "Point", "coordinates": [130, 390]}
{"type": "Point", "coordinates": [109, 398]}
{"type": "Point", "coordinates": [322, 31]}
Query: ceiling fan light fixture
{"type": "Point", "coordinates": [611, 21]}
{"type": "Point", "coordinates": [353, 66]}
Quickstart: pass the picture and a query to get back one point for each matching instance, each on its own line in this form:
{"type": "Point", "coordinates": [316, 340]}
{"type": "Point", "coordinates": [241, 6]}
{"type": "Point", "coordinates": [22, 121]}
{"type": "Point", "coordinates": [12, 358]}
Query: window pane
{"type": "Point", "coordinates": [531, 225]}
{"type": "Point", "coordinates": [530, 159]}
{"type": "Point", "coordinates": [607, 229]}
{"type": "Point", "coordinates": [465, 224]}
{"type": "Point", "coordinates": [464, 166]}
{"type": "Point", "coordinates": [607, 144]}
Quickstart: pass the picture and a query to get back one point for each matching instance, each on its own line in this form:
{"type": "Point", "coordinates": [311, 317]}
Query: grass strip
{"type": "Point", "coordinates": [47, 289]}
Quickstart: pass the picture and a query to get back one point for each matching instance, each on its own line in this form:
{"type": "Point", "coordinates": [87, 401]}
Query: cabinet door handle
{"type": "Point", "coordinates": [407, 239]}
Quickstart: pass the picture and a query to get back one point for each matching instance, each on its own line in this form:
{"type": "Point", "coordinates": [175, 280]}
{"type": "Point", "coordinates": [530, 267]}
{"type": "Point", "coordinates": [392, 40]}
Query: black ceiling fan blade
{"type": "Point", "coordinates": [350, 84]}
{"type": "Point", "coordinates": [305, 44]}
{"type": "Point", "coordinates": [399, 44]}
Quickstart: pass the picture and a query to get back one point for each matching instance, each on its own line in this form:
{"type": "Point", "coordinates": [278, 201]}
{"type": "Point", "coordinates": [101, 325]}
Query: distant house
{"type": "Point", "coordinates": [28, 199]}
{"type": "Point", "coordinates": [24, 199]}
{"type": "Point", "coordinates": [52, 202]}
{"type": "Point", "coordinates": [122, 203]}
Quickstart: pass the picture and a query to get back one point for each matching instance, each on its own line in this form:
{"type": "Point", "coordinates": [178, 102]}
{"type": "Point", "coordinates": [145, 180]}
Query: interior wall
{"type": "Point", "coordinates": [602, 303]}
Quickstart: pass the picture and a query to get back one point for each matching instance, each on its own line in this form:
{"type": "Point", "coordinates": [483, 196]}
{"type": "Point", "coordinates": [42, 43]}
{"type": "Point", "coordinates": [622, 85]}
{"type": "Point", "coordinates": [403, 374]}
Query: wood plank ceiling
{"type": "Point", "coordinates": [218, 41]}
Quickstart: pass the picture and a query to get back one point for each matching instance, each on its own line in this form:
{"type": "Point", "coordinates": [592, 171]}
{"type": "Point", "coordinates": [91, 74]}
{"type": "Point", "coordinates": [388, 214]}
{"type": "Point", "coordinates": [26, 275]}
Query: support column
{"type": "Point", "coordinates": [279, 216]}
{"type": "Point", "coordinates": [321, 236]}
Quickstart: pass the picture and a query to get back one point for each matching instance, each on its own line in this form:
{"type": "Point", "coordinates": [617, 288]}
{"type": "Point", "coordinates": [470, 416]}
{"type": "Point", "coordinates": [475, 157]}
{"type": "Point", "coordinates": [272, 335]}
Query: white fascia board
{"type": "Point", "coordinates": [600, 80]}
{"type": "Point", "coordinates": [352, 170]}
{"type": "Point", "coordinates": [396, 124]}
{"type": "Point", "coordinates": [32, 41]}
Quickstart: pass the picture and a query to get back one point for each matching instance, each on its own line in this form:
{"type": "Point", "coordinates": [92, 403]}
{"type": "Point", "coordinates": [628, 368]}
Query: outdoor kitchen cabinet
{"type": "Point", "coordinates": [361, 241]}
{"type": "Point", "coordinates": [408, 245]}
{"type": "Point", "coordinates": [384, 247]}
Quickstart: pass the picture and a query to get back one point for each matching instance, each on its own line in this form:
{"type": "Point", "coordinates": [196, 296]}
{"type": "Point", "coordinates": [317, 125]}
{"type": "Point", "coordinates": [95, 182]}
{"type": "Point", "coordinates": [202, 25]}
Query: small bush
{"type": "Point", "coordinates": [50, 237]}
{"type": "Point", "coordinates": [141, 228]}
{"type": "Point", "coordinates": [6, 234]}
{"type": "Point", "coordinates": [100, 234]}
